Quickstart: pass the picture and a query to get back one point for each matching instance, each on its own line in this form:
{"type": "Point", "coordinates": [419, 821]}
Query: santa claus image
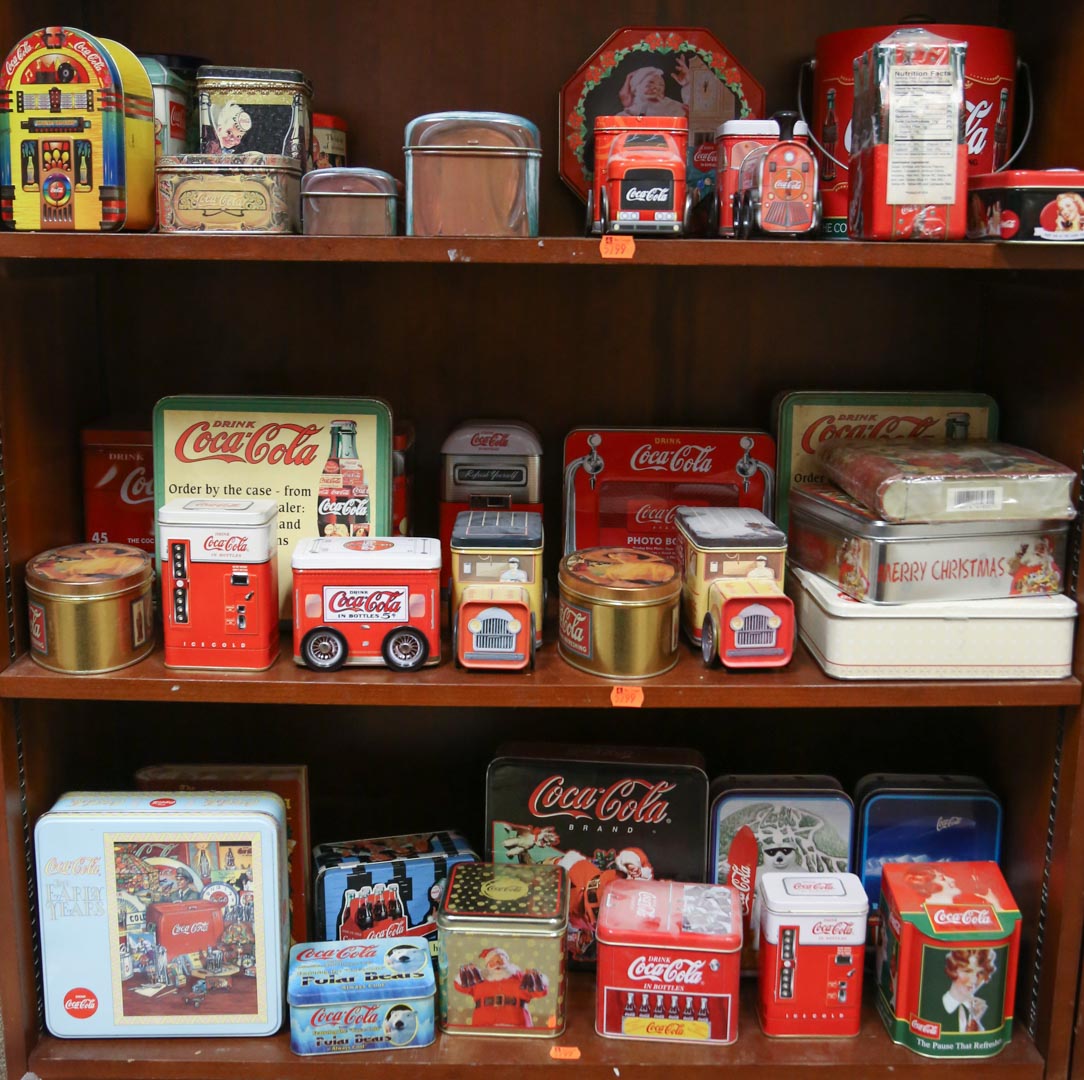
{"type": "Point", "coordinates": [502, 992]}
{"type": "Point", "coordinates": [644, 92]}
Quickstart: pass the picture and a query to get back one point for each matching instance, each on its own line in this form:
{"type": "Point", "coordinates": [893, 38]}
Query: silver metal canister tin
{"type": "Point", "coordinates": [350, 202]}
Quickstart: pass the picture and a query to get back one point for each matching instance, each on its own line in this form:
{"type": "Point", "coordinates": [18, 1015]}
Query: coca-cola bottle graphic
{"type": "Point", "coordinates": [1001, 132]}
{"type": "Point", "coordinates": [630, 1005]}
{"type": "Point", "coordinates": [395, 905]}
{"type": "Point", "coordinates": [380, 911]}
{"type": "Point", "coordinates": [364, 917]}
{"type": "Point", "coordinates": [658, 1013]}
{"type": "Point", "coordinates": [829, 137]}
{"type": "Point", "coordinates": [342, 504]}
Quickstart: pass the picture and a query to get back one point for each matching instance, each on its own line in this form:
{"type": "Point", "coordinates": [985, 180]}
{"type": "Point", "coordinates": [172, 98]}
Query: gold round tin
{"type": "Point", "coordinates": [90, 607]}
{"type": "Point", "coordinates": [618, 612]}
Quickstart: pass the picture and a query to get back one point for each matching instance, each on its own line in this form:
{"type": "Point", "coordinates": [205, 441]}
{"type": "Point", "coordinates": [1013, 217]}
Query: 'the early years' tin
{"type": "Point", "coordinates": [501, 950]}
{"type": "Point", "coordinates": [90, 607]}
{"type": "Point", "coordinates": [812, 952]}
{"type": "Point", "coordinates": [947, 954]}
{"type": "Point", "coordinates": [372, 996]}
{"type": "Point", "coordinates": [668, 960]}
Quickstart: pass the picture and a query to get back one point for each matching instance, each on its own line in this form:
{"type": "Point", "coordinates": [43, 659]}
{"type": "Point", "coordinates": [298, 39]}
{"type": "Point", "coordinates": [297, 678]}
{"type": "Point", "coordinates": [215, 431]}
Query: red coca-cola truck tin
{"type": "Point", "coordinates": [118, 487]}
{"type": "Point", "coordinates": [669, 960]}
{"type": "Point", "coordinates": [367, 601]}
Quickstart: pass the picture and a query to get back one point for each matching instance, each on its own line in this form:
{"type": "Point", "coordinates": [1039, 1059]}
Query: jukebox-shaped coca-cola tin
{"type": "Point", "coordinates": [947, 952]}
{"type": "Point", "coordinates": [812, 951]}
{"type": "Point", "coordinates": [501, 950]}
{"type": "Point", "coordinates": [669, 955]}
{"type": "Point", "coordinates": [603, 813]}
{"type": "Point", "coordinates": [388, 886]}
{"type": "Point", "coordinates": [118, 487]}
{"type": "Point", "coordinates": [163, 913]}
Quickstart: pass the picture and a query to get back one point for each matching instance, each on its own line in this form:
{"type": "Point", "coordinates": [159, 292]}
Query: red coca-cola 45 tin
{"type": "Point", "coordinates": [118, 487]}
{"type": "Point", "coordinates": [669, 962]}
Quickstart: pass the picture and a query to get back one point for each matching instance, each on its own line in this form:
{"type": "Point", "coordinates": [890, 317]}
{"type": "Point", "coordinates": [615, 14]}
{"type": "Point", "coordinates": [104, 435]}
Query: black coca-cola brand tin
{"type": "Point", "coordinates": [603, 813]}
{"type": "Point", "coordinates": [1027, 204]}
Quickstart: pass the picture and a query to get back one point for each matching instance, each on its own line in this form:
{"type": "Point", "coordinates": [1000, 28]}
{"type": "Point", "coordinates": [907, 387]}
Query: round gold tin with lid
{"type": "Point", "coordinates": [618, 612]}
{"type": "Point", "coordinates": [90, 607]}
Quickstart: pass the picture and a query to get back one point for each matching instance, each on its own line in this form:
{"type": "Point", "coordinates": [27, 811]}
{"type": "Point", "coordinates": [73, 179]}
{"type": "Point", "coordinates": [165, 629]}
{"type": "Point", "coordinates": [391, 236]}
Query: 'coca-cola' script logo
{"type": "Point", "coordinates": [81, 1003]}
{"type": "Point", "coordinates": [677, 971]}
{"type": "Point", "coordinates": [648, 514]}
{"type": "Point", "coordinates": [234, 544]}
{"type": "Point", "coordinates": [826, 428]}
{"type": "Point", "coordinates": [184, 929]}
{"type": "Point", "coordinates": [490, 440]}
{"type": "Point", "coordinates": [925, 1027]}
{"type": "Point", "coordinates": [682, 459]}
{"type": "Point", "coordinates": [833, 928]}
{"type": "Point", "coordinates": [363, 603]}
{"type": "Point", "coordinates": [574, 628]}
{"type": "Point", "coordinates": [626, 800]}
{"type": "Point", "coordinates": [354, 1016]}
{"type": "Point", "coordinates": [137, 487]}
{"type": "Point", "coordinates": [975, 131]}
{"type": "Point", "coordinates": [22, 51]}
{"type": "Point", "coordinates": [647, 195]}
{"type": "Point", "coordinates": [271, 444]}
{"type": "Point", "coordinates": [348, 952]}
{"type": "Point", "coordinates": [981, 917]}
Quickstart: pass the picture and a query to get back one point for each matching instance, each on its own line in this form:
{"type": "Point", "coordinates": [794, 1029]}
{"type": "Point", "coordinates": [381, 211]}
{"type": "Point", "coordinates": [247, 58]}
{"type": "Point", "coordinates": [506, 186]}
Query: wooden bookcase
{"type": "Point", "coordinates": [690, 332]}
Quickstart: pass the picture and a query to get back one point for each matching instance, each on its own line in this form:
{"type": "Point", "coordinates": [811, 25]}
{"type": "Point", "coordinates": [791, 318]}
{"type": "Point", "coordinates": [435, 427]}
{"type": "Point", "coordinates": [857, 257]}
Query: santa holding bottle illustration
{"type": "Point", "coordinates": [502, 992]}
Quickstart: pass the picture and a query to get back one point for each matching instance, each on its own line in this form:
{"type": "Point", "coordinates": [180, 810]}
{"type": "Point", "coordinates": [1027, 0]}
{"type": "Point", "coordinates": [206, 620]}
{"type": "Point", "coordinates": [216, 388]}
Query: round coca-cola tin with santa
{"type": "Point", "coordinates": [669, 962]}
{"type": "Point", "coordinates": [618, 612]}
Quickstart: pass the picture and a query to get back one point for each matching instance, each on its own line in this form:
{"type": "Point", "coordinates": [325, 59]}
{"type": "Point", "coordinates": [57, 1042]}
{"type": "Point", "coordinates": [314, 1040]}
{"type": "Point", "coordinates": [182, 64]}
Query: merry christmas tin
{"type": "Point", "coordinates": [668, 960]}
{"type": "Point", "coordinates": [501, 950]}
{"type": "Point", "coordinates": [947, 954]}
{"type": "Point", "coordinates": [1026, 204]}
{"type": "Point", "coordinates": [163, 913]}
{"type": "Point", "coordinates": [373, 996]}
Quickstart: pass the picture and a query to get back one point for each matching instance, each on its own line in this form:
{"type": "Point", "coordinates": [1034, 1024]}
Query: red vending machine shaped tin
{"type": "Point", "coordinates": [220, 583]}
{"type": "Point", "coordinates": [812, 950]}
{"type": "Point", "coordinates": [669, 962]}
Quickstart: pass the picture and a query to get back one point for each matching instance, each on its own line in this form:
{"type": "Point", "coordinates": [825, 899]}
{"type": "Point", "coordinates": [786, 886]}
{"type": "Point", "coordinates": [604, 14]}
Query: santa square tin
{"type": "Point", "coordinates": [163, 913]}
{"type": "Point", "coordinates": [376, 995]}
{"type": "Point", "coordinates": [501, 950]}
{"type": "Point", "coordinates": [388, 886]}
{"type": "Point", "coordinates": [947, 953]}
{"type": "Point", "coordinates": [602, 813]}
{"type": "Point", "coordinates": [668, 959]}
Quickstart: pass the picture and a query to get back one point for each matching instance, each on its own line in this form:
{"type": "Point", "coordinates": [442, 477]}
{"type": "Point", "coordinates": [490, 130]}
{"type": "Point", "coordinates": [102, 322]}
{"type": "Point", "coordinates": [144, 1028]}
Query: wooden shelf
{"type": "Point", "coordinates": [553, 684]}
{"type": "Point", "coordinates": [560, 251]}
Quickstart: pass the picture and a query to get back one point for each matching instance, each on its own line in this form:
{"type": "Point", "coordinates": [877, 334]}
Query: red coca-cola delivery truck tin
{"type": "Point", "coordinates": [367, 601]}
{"type": "Point", "coordinates": [669, 959]}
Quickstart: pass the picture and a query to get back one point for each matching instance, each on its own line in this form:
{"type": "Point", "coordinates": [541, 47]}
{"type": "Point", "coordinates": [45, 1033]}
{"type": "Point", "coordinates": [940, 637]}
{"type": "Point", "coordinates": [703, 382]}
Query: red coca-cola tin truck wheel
{"type": "Point", "coordinates": [405, 649]}
{"type": "Point", "coordinates": [324, 649]}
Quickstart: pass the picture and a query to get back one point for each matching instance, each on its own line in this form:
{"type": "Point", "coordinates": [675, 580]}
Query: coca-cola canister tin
{"type": "Point", "coordinates": [668, 960]}
{"type": "Point", "coordinates": [163, 913]}
{"type": "Point", "coordinates": [882, 562]}
{"type": "Point", "coordinates": [618, 612]}
{"type": "Point", "coordinates": [350, 202]}
{"type": "Point", "coordinates": [388, 886]}
{"type": "Point", "coordinates": [501, 950]}
{"type": "Point", "coordinates": [604, 813]}
{"type": "Point", "coordinates": [90, 607]}
{"type": "Point", "coordinates": [373, 996]}
{"type": "Point", "coordinates": [174, 96]}
{"type": "Point", "coordinates": [118, 487]}
{"type": "Point", "coordinates": [947, 953]}
{"type": "Point", "coordinates": [1026, 204]}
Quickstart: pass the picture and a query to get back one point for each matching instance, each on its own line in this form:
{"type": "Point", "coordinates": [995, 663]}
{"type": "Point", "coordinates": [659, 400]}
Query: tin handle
{"type": "Point", "coordinates": [810, 64]}
{"type": "Point", "coordinates": [1025, 70]}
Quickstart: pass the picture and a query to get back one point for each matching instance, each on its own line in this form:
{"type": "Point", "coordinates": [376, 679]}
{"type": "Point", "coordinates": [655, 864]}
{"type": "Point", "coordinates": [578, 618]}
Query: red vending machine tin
{"type": "Point", "coordinates": [669, 962]}
{"type": "Point", "coordinates": [118, 487]}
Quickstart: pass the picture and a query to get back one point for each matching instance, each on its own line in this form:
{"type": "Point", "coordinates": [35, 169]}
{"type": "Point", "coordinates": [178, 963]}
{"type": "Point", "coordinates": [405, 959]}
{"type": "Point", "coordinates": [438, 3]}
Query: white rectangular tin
{"type": "Point", "coordinates": [163, 913]}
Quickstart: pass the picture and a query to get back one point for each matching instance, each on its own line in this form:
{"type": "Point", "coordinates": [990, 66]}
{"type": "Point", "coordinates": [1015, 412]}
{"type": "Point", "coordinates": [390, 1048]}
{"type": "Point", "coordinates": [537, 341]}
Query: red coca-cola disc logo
{"type": "Point", "coordinates": [368, 545]}
{"type": "Point", "coordinates": [1010, 224]}
{"type": "Point", "coordinates": [81, 1003]}
{"type": "Point", "coordinates": [159, 804]}
{"type": "Point", "coordinates": [705, 157]}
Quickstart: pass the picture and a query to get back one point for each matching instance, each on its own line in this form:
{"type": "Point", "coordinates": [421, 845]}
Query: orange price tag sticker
{"type": "Point", "coordinates": [565, 1053]}
{"type": "Point", "coordinates": [627, 697]}
{"type": "Point", "coordinates": [617, 247]}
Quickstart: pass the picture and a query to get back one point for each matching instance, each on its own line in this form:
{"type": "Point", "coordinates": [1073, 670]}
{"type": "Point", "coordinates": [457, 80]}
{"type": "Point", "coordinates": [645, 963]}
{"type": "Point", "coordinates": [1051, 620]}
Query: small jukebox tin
{"type": "Point", "coordinates": [385, 887]}
{"type": "Point", "coordinates": [328, 141]}
{"type": "Point", "coordinates": [90, 607]}
{"type": "Point", "coordinates": [268, 110]}
{"type": "Point", "coordinates": [1027, 204]}
{"type": "Point", "coordinates": [604, 813]}
{"type": "Point", "coordinates": [220, 583]}
{"type": "Point", "coordinates": [163, 913]}
{"type": "Point", "coordinates": [487, 465]}
{"type": "Point", "coordinates": [882, 562]}
{"type": "Point", "coordinates": [501, 950]}
{"type": "Point", "coordinates": [350, 202]}
{"type": "Point", "coordinates": [907, 818]}
{"type": "Point", "coordinates": [345, 998]}
{"type": "Point", "coordinates": [947, 954]}
{"type": "Point", "coordinates": [668, 960]}
{"type": "Point", "coordinates": [471, 174]}
{"type": "Point", "coordinates": [812, 952]}
{"type": "Point", "coordinates": [118, 487]}
{"type": "Point", "coordinates": [174, 96]}
{"type": "Point", "coordinates": [757, 824]}
{"type": "Point", "coordinates": [618, 612]}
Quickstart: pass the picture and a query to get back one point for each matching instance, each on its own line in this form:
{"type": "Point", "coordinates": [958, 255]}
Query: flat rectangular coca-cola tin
{"type": "Point", "coordinates": [603, 813]}
{"type": "Point", "coordinates": [358, 880]}
{"type": "Point", "coordinates": [118, 487]}
{"type": "Point", "coordinates": [1026, 204]}
{"type": "Point", "coordinates": [668, 962]}
{"type": "Point", "coordinates": [806, 420]}
{"type": "Point", "coordinates": [622, 486]}
{"type": "Point", "coordinates": [163, 913]}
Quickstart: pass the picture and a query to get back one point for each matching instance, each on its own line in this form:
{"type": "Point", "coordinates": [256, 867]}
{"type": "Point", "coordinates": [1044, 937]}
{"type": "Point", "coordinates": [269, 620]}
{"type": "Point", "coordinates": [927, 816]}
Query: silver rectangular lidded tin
{"type": "Point", "coordinates": [837, 538]}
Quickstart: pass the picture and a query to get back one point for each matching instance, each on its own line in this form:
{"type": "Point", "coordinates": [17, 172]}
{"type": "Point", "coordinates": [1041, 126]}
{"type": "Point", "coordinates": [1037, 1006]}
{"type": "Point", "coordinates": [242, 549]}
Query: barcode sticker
{"type": "Point", "coordinates": [984, 498]}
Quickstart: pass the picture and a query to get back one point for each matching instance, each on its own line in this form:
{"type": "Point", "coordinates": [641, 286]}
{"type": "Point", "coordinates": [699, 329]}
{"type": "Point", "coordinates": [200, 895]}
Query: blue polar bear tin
{"type": "Point", "coordinates": [365, 995]}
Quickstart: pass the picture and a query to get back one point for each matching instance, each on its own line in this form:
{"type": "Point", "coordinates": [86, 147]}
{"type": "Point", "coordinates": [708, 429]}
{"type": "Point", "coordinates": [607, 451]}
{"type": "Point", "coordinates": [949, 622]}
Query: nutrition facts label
{"type": "Point", "coordinates": [923, 129]}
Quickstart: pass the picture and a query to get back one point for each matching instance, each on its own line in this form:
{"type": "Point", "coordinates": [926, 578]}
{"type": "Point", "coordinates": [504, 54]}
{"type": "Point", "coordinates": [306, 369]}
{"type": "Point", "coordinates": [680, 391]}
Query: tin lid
{"type": "Point", "coordinates": [676, 125]}
{"type": "Point", "coordinates": [1028, 178]}
{"type": "Point", "coordinates": [729, 527]}
{"type": "Point", "coordinates": [410, 847]}
{"type": "Point", "coordinates": [328, 120]}
{"type": "Point", "coordinates": [755, 783]}
{"type": "Point", "coordinates": [376, 969]}
{"type": "Point", "coordinates": [162, 75]}
{"type": "Point", "coordinates": [156, 805]}
{"type": "Point", "coordinates": [911, 783]}
{"type": "Point", "coordinates": [484, 131]}
{"type": "Point", "coordinates": [784, 893]}
{"type": "Point", "coordinates": [218, 512]}
{"type": "Point", "coordinates": [492, 437]}
{"type": "Point", "coordinates": [88, 569]}
{"type": "Point", "coordinates": [222, 74]}
{"type": "Point", "coordinates": [615, 573]}
{"type": "Point", "coordinates": [384, 552]}
{"type": "Point", "coordinates": [350, 181]}
{"type": "Point", "coordinates": [529, 899]}
{"type": "Point", "coordinates": [102, 436]}
{"type": "Point", "coordinates": [249, 161]}
{"type": "Point", "coordinates": [497, 528]}
{"type": "Point", "coordinates": [185, 66]}
{"type": "Point", "coordinates": [701, 918]}
{"type": "Point", "coordinates": [763, 128]}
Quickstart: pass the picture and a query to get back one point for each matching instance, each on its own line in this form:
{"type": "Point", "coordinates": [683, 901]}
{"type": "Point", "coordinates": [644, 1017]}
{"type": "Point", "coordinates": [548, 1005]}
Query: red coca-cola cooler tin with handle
{"type": "Point", "coordinates": [220, 583]}
{"type": "Point", "coordinates": [118, 487]}
{"type": "Point", "coordinates": [669, 962]}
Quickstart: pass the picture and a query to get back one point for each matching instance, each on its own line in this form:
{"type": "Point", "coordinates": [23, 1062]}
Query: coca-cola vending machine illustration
{"type": "Point", "coordinates": [220, 584]}
{"type": "Point", "coordinates": [118, 487]}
